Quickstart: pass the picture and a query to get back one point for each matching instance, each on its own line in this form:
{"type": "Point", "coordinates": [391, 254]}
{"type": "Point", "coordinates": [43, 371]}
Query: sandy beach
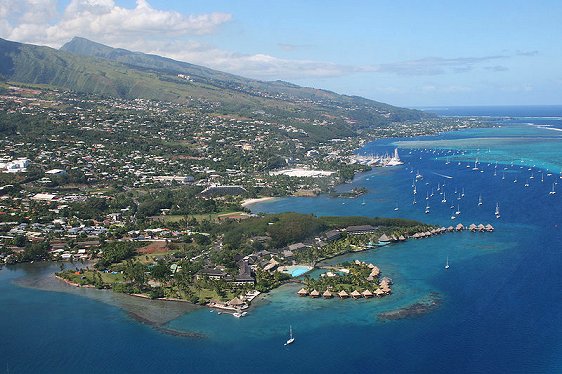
{"type": "Point", "coordinates": [248, 202]}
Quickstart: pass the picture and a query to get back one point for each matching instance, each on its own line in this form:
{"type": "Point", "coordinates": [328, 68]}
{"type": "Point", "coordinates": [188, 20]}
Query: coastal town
{"type": "Point", "coordinates": [148, 198]}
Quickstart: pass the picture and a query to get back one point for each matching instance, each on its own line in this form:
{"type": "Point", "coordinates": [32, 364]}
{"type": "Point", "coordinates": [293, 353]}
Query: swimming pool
{"type": "Point", "coordinates": [297, 270]}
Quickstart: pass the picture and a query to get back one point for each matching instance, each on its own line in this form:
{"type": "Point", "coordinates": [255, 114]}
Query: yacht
{"type": "Point", "coordinates": [480, 200]}
{"type": "Point", "coordinates": [552, 192]}
{"type": "Point", "coordinates": [497, 210]}
{"type": "Point", "coordinates": [291, 340]}
{"type": "Point", "coordinates": [447, 263]}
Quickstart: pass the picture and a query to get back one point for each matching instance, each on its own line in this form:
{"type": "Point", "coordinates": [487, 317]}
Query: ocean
{"type": "Point", "coordinates": [496, 309]}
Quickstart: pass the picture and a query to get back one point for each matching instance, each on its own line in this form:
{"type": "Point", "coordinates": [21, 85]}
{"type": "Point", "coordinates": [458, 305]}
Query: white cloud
{"type": "Point", "coordinates": [37, 21]}
{"type": "Point", "coordinates": [173, 34]}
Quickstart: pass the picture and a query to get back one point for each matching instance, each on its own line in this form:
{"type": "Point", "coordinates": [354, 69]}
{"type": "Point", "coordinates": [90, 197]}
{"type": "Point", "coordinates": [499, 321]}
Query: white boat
{"type": "Point", "coordinates": [458, 210]}
{"type": "Point", "coordinates": [419, 176]}
{"type": "Point", "coordinates": [497, 210]}
{"type": "Point", "coordinates": [414, 202]}
{"type": "Point", "coordinates": [527, 183]}
{"type": "Point", "coordinates": [552, 192]}
{"type": "Point", "coordinates": [291, 340]}
{"type": "Point", "coordinates": [395, 160]}
{"type": "Point", "coordinates": [447, 263]}
{"type": "Point", "coordinates": [444, 198]}
{"type": "Point", "coordinates": [475, 165]}
{"type": "Point", "coordinates": [480, 200]}
{"type": "Point", "coordinates": [427, 209]}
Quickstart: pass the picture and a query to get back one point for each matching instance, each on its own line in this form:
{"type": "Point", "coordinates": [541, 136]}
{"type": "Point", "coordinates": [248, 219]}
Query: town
{"type": "Point", "coordinates": [124, 188]}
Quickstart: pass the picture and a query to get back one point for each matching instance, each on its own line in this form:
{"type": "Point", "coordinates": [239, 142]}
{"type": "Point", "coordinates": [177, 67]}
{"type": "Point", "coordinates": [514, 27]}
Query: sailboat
{"type": "Point", "coordinates": [363, 202]}
{"type": "Point", "coordinates": [458, 210]}
{"type": "Point", "coordinates": [427, 195]}
{"type": "Point", "coordinates": [497, 210]}
{"type": "Point", "coordinates": [447, 263]}
{"type": "Point", "coordinates": [480, 200]}
{"type": "Point", "coordinates": [475, 165]}
{"type": "Point", "coordinates": [527, 183]}
{"type": "Point", "coordinates": [444, 199]}
{"type": "Point", "coordinates": [414, 202]}
{"type": "Point", "coordinates": [291, 340]}
{"type": "Point", "coordinates": [396, 208]}
{"type": "Point", "coordinates": [552, 192]}
{"type": "Point", "coordinates": [427, 208]}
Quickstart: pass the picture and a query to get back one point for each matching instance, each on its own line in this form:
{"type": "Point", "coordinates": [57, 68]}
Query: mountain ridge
{"type": "Point", "coordinates": [90, 67]}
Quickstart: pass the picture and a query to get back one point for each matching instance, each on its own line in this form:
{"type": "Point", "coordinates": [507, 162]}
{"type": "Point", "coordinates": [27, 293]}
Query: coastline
{"type": "Point", "coordinates": [248, 202]}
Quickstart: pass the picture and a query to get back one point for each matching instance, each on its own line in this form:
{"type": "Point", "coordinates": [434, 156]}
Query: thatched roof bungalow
{"type": "Point", "coordinates": [459, 227]}
{"type": "Point", "coordinates": [343, 295]}
{"type": "Point", "coordinates": [384, 239]}
{"type": "Point", "coordinates": [236, 302]}
{"type": "Point", "coordinates": [356, 294]}
{"type": "Point", "coordinates": [327, 294]}
{"type": "Point", "coordinates": [367, 294]}
{"type": "Point", "coordinates": [315, 294]}
{"type": "Point", "coordinates": [302, 292]}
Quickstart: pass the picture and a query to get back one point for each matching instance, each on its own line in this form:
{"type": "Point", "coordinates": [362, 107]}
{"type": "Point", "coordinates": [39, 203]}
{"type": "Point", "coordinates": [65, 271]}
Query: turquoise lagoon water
{"type": "Point", "coordinates": [495, 310]}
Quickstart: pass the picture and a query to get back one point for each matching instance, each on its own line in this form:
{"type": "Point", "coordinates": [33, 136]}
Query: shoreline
{"type": "Point", "coordinates": [248, 202]}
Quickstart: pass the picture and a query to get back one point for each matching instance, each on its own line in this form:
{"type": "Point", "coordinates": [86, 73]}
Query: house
{"type": "Point", "coordinates": [332, 235]}
{"type": "Point", "coordinates": [216, 190]}
{"type": "Point", "coordinates": [363, 229]}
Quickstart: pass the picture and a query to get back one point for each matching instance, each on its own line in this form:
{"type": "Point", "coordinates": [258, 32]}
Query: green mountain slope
{"type": "Point", "coordinates": [85, 66]}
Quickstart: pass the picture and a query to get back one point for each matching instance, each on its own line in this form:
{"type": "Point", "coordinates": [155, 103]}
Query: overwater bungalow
{"type": "Point", "coordinates": [327, 294]}
{"type": "Point", "coordinates": [450, 229]}
{"type": "Point", "coordinates": [459, 227]}
{"type": "Point", "coordinates": [401, 238]}
{"type": "Point", "coordinates": [315, 294]}
{"type": "Point", "coordinates": [416, 236]}
{"type": "Point", "coordinates": [481, 228]}
{"type": "Point", "coordinates": [472, 227]}
{"type": "Point", "coordinates": [489, 228]}
{"type": "Point", "coordinates": [302, 292]}
{"type": "Point", "coordinates": [367, 294]}
{"type": "Point", "coordinates": [343, 295]}
{"type": "Point", "coordinates": [356, 294]}
{"type": "Point", "coordinates": [385, 289]}
{"type": "Point", "coordinates": [384, 240]}
{"type": "Point", "coordinates": [375, 271]}
{"type": "Point", "coordinates": [379, 292]}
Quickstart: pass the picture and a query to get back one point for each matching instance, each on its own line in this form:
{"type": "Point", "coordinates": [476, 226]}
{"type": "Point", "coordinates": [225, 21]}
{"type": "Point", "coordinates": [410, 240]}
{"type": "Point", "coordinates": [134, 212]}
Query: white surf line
{"type": "Point", "coordinates": [443, 175]}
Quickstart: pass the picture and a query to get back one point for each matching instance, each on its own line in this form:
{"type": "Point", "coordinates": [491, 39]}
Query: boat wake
{"type": "Point", "coordinates": [443, 175]}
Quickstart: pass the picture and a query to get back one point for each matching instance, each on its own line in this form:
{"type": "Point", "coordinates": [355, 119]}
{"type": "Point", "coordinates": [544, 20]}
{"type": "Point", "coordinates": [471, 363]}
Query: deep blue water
{"type": "Point", "coordinates": [499, 301]}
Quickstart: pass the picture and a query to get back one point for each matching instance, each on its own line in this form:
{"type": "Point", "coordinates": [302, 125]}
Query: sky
{"type": "Point", "coordinates": [408, 53]}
